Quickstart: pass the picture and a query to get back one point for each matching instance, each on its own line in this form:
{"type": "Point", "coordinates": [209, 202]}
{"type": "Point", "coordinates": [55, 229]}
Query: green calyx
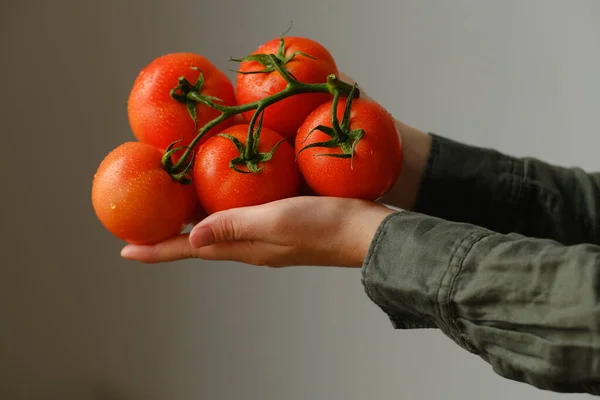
{"type": "Point", "coordinates": [191, 95]}
{"type": "Point", "coordinates": [341, 136]}
{"type": "Point", "coordinates": [250, 156]}
{"type": "Point", "coordinates": [273, 62]}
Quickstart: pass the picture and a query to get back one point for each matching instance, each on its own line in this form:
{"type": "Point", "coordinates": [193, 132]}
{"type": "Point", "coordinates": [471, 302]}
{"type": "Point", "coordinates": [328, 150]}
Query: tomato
{"type": "Point", "coordinates": [136, 199]}
{"type": "Point", "coordinates": [219, 187]}
{"type": "Point", "coordinates": [377, 159]}
{"type": "Point", "coordinates": [157, 118]}
{"type": "Point", "coordinates": [287, 115]}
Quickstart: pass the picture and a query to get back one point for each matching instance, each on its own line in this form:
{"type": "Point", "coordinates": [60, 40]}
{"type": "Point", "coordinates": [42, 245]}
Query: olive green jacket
{"type": "Point", "coordinates": [502, 255]}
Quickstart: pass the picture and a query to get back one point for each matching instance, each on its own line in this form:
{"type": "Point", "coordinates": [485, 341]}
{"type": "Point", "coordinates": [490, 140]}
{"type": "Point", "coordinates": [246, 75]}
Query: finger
{"type": "Point", "coordinates": [179, 248]}
{"type": "Point", "coordinates": [245, 223]}
{"type": "Point", "coordinates": [244, 251]}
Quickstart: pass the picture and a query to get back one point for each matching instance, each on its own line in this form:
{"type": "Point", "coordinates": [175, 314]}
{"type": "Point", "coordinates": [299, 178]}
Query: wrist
{"type": "Point", "coordinates": [366, 228]}
{"type": "Point", "coordinates": [416, 149]}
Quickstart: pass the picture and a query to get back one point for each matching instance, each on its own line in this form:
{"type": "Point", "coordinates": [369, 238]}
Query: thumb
{"type": "Point", "coordinates": [246, 223]}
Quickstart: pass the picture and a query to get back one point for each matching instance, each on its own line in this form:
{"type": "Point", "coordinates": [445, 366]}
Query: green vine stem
{"type": "Point", "coordinates": [190, 95]}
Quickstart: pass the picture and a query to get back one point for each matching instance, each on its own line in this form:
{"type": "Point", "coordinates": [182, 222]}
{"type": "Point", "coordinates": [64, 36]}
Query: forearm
{"type": "Point", "coordinates": [528, 307]}
{"type": "Point", "coordinates": [484, 187]}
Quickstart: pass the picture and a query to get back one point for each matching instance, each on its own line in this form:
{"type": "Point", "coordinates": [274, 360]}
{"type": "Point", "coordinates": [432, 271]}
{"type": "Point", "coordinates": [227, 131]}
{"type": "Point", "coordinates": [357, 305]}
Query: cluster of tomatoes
{"type": "Point", "coordinates": [298, 144]}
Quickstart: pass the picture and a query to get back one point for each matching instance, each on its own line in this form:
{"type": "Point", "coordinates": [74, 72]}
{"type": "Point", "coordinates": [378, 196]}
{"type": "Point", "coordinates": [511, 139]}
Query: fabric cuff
{"type": "Point", "coordinates": [411, 266]}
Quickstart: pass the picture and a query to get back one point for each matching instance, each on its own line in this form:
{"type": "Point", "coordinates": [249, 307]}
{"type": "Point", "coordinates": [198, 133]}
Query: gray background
{"type": "Point", "coordinates": [77, 322]}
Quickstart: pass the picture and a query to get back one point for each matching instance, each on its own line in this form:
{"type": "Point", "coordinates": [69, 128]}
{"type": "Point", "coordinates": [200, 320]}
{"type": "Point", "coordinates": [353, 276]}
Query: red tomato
{"type": "Point", "coordinates": [219, 187]}
{"type": "Point", "coordinates": [158, 119]}
{"type": "Point", "coordinates": [377, 156]}
{"type": "Point", "coordinates": [136, 199]}
{"type": "Point", "coordinates": [287, 115]}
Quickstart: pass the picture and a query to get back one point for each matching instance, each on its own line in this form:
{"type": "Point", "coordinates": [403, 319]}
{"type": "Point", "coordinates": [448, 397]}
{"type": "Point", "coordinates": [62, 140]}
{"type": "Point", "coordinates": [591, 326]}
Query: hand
{"type": "Point", "coordinates": [315, 231]}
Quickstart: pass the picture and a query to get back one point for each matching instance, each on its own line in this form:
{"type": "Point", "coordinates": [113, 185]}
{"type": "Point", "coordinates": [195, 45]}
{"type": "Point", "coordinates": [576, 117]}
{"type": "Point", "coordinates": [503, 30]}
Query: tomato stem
{"type": "Point", "coordinates": [253, 135]}
{"type": "Point", "coordinates": [191, 95]}
{"type": "Point", "coordinates": [250, 154]}
{"type": "Point", "coordinates": [340, 133]}
{"type": "Point", "coordinates": [333, 85]}
{"type": "Point", "coordinates": [337, 130]}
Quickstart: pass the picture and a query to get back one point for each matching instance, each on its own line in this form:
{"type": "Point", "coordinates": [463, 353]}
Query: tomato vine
{"type": "Point", "coordinates": [191, 94]}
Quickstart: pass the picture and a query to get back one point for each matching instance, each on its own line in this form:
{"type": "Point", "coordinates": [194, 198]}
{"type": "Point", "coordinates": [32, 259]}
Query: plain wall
{"type": "Point", "coordinates": [78, 322]}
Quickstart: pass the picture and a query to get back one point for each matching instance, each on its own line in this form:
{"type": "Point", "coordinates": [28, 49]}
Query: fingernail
{"type": "Point", "coordinates": [134, 252]}
{"type": "Point", "coordinates": [202, 236]}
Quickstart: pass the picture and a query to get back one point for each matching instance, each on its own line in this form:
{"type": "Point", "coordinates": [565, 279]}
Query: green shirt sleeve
{"type": "Point", "coordinates": [501, 254]}
{"type": "Point", "coordinates": [529, 307]}
{"type": "Point", "coordinates": [507, 194]}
